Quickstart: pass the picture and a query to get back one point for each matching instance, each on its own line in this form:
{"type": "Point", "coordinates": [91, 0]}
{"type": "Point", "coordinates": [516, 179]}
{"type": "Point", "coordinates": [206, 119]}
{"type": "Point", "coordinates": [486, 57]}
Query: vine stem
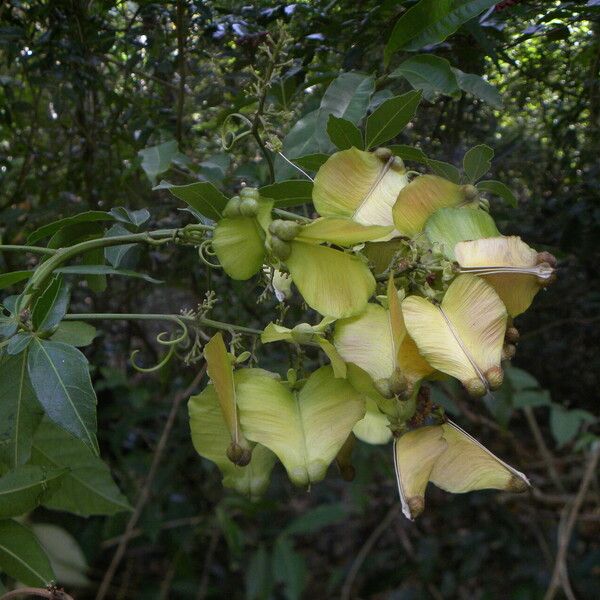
{"type": "Point", "coordinates": [34, 249]}
{"type": "Point", "coordinates": [160, 317]}
{"type": "Point", "coordinates": [147, 487]}
{"type": "Point", "coordinates": [62, 255]}
{"type": "Point", "coordinates": [290, 215]}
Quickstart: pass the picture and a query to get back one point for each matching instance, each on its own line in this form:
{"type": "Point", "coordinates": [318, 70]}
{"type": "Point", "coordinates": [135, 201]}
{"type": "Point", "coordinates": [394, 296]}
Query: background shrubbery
{"type": "Point", "coordinates": [84, 87]}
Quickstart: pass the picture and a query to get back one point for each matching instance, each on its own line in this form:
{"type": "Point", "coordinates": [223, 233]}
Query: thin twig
{"type": "Point", "coordinates": [366, 548]}
{"type": "Point", "coordinates": [181, 59]}
{"type": "Point", "coordinates": [560, 577]}
{"type": "Point", "coordinates": [39, 592]}
{"type": "Point", "coordinates": [543, 448]}
{"type": "Point", "coordinates": [210, 552]}
{"type": "Point", "coordinates": [147, 487]}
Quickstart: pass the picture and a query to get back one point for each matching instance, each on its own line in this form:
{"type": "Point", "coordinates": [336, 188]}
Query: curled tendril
{"type": "Point", "coordinates": [228, 138]}
{"type": "Point", "coordinates": [170, 343]}
{"type": "Point", "coordinates": [205, 252]}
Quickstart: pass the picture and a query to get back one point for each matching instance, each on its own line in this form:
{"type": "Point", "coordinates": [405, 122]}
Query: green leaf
{"type": "Point", "coordinates": [430, 74]}
{"type": "Point", "coordinates": [51, 306]}
{"type": "Point", "coordinates": [409, 153]}
{"type": "Point", "coordinates": [521, 380]}
{"type": "Point", "coordinates": [122, 256]}
{"type": "Point", "coordinates": [131, 217]}
{"type": "Point", "coordinates": [564, 424]}
{"type": "Point", "coordinates": [26, 487]}
{"type": "Point", "coordinates": [390, 118]}
{"type": "Point", "coordinates": [104, 270]}
{"type": "Point", "coordinates": [288, 193]}
{"type": "Point", "coordinates": [430, 22]}
{"type": "Point", "coordinates": [20, 413]}
{"type": "Point", "coordinates": [531, 398]}
{"type": "Point", "coordinates": [8, 279]}
{"type": "Point", "coordinates": [74, 333]}
{"type": "Point", "coordinates": [311, 162]}
{"type": "Point", "coordinates": [88, 488]}
{"type": "Point", "coordinates": [478, 87]}
{"type": "Point", "coordinates": [75, 233]}
{"type": "Point", "coordinates": [344, 134]}
{"type": "Point", "coordinates": [444, 169]}
{"type": "Point", "coordinates": [414, 22]}
{"type": "Point", "coordinates": [61, 380]}
{"type": "Point", "coordinates": [52, 228]}
{"type": "Point", "coordinates": [66, 557]}
{"type": "Point", "coordinates": [346, 97]}
{"type": "Point", "coordinates": [18, 343]}
{"type": "Point", "coordinates": [202, 196]}
{"type": "Point", "coordinates": [22, 557]}
{"type": "Point", "coordinates": [477, 162]}
{"type": "Point", "coordinates": [499, 189]}
{"type": "Point", "coordinates": [314, 520]}
{"type": "Point", "coordinates": [289, 568]}
{"type": "Point", "coordinates": [259, 579]}
{"type": "Point", "coordinates": [158, 159]}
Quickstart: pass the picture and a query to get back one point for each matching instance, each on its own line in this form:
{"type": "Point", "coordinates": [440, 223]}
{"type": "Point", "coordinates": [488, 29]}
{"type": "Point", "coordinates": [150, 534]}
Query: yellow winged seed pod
{"type": "Point", "coordinates": [340, 231]}
{"type": "Point", "coordinates": [415, 454]}
{"type": "Point", "coordinates": [463, 336]}
{"type": "Point", "coordinates": [221, 374]}
{"type": "Point", "coordinates": [377, 341]}
{"type": "Point", "coordinates": [466, 466]}
{"type": "Point", "coordinates": [362, 186]}
{"type": "Point", "coordinates": [334, 283]}
{"type": "Point", "coordinates": [211, 439]}
{"type": "Point", "coordinates": [509, 265]}
{"type": "Point", "coordinates": [448, 226]}
{"type": "Point", "coordinates": [373, 428]}
{"type": "Point", "coordinates": [423, 196]}
{"type": "Point", "coordinates": [452, 460]}
{"type": "Point", "coordinates": [305, 429]}
{"type": "Point", "coordinates": [239, 242]}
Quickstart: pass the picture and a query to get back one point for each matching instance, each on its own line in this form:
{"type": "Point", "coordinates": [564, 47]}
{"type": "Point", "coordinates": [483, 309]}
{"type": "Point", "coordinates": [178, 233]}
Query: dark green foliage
{"type": "Point", "coordinates": [97, 105]}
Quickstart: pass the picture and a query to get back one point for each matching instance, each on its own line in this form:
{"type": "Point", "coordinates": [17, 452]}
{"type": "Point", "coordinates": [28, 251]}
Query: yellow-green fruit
{"type": "Point", "coordinates": [249, 193]}
{"type": "Point", "coordinates": [302, 333]}
{"type": "Point", "coordinates": [232, 208]}
{"type": "Point", "coordinates": [470, 192]}
{"type": "Point", "coordinates": [475, 387]}
{"type": "Point", "coordinates": [281, 249]}
{"type": "Point", "coordinates": [383, 153]}
{"type": "Point", "coordinates": [285, 230]}
{"type": "Point", "coordinates": [495, 377]}
{"type": "Point", "coordinates": [248, 207]}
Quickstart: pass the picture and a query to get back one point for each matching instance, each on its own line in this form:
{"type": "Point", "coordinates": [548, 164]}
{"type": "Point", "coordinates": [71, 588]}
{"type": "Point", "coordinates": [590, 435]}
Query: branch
{"type": "Point", "coordinates": [560, 576]}
{"type": "Point", "coordinates": [161, 317]}
{"type": "Point", "coordinates": [39, 592]}
{"type": "Point", "coordinates": [366, 548]}
{"type": "Point", "coordinates": [147, 487]}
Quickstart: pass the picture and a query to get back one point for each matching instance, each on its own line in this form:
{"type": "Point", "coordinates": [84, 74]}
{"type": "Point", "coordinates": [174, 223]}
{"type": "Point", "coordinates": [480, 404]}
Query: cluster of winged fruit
{"type": "Point", "coordinates": [413, 282]}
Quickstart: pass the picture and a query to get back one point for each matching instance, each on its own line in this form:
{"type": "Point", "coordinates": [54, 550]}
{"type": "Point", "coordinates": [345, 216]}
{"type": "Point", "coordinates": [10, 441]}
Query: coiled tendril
{"type": "Point", "coordinates": [170, 343]}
